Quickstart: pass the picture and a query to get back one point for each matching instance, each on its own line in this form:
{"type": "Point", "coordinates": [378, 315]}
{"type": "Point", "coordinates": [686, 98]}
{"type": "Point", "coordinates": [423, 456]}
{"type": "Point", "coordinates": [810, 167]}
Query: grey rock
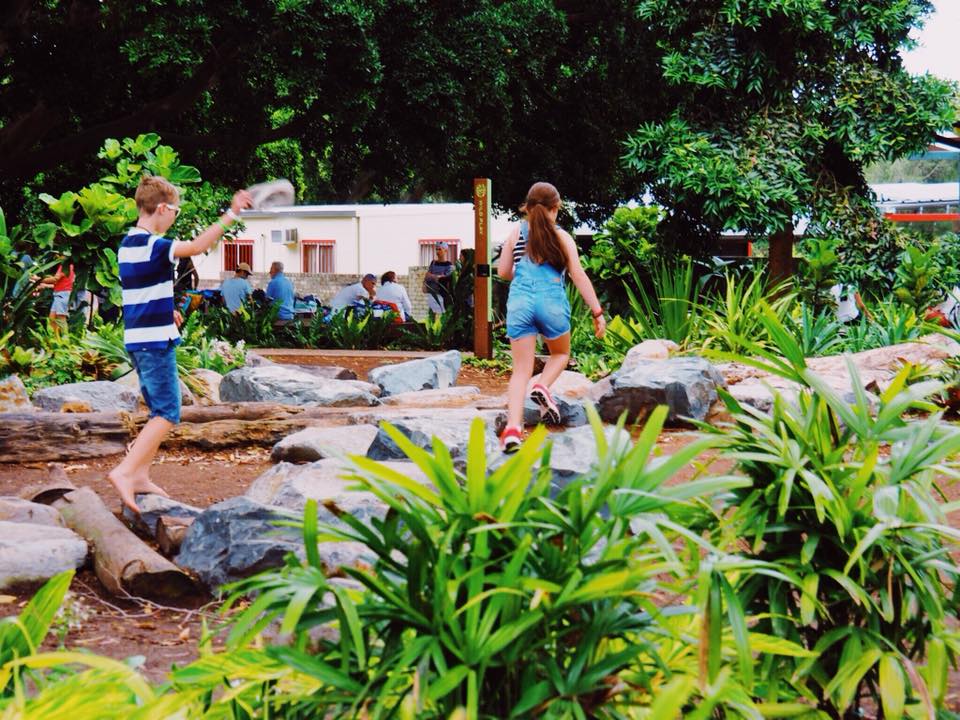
{"type": "Point", "coordinates": [575, 451]}
{"type": "Point", "coordinates": [330, 372]}
{"type": "Point", "coordinates": [13, 396]}
{"type": "Point", "coordinates": [14, 509]}
{"type": "Point", "coordinates": [254, 359]}
{"type": "Point", "coordinates": [235, 539]}
{"type": "Point", "coordinates": [280, 384]}
{"type": "Point", "coordinates": [152, 508]}
{"type": "Point", "coordinates": [453, 433]}
{"type": "Point", "coordinates": [211, 381]}
{"type": "Point", "coordinates": [98, 396]}
{"type": "Point", "coordinates": [316, 443]}
{"type": "Point", "coordinates": [686, 385]}
{"type": "Point", "coordinates": [431, 398]}
{"type": "Point", "coordinates": [363, 386]}
{"type": "Point", "coordinates": [32, 554]}
{"type": "Point", "coordinates": [438, 371]}
{"type": "Point", "coordinates": [649, 350]}
{"type": "Point", "coordinates": [328, 482]}
{"type": "Point", "coordinates": [573, 412]}
{"type": "Point", "coordinates": [495, 418]}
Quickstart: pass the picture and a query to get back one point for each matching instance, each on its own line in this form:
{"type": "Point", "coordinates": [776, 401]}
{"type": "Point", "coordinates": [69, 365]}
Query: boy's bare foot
{"type": "Point", "coordinates": [129, 486]}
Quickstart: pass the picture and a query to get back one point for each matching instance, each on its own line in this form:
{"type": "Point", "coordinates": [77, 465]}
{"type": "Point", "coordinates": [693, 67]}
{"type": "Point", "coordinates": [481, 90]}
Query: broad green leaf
{"type": "Point", "coordinates": [892, 686]}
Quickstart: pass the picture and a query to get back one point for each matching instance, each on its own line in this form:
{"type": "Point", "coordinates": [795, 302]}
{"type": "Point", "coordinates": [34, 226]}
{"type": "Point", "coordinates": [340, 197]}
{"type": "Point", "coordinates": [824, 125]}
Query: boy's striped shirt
{"type": "Point", "coordinates": [146, 275]}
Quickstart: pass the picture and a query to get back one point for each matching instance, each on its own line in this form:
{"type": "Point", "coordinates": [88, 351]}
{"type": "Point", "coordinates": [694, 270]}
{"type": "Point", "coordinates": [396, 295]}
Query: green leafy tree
{"type": "Point", "coordinates": [778, 108]}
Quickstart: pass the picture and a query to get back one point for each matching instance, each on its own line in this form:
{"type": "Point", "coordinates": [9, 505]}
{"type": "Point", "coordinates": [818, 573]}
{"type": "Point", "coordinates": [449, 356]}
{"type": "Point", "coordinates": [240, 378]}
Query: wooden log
{"type": "Point", "coordinates": [42, 436]}
{"type": "Point", "coordinates": [237, 411]}
{"type": "Point", "coordinates": [123, 563]}
{"type": "Point", "coordinates": [230, 433]}
{"type": "Point", "coordinates": [170, 533]}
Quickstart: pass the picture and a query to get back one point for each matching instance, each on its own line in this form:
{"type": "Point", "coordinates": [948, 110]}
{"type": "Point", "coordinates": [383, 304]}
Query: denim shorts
{"type": "Point", "coordinates": [159, 381]}
{"type": "Point", "coordinates": [61, 303]}
{"type": "Point", "coordinates": [537, 308]}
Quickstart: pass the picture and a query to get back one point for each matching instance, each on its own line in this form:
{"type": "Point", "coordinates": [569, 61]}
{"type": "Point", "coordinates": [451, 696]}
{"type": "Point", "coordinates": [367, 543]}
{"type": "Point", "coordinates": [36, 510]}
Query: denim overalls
{"type": "Point", "coordinates": [537, 304]}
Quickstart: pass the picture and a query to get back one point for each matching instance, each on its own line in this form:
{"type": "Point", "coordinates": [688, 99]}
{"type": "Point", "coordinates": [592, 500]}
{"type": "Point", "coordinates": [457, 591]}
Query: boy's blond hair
{"type": "Point", "coordinates": [152, 191]}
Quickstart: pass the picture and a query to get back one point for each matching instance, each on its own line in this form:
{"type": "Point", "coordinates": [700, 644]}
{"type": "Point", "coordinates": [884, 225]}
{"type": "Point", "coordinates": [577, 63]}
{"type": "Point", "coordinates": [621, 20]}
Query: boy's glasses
{"type": "Point", "coordinates": [175, 208]}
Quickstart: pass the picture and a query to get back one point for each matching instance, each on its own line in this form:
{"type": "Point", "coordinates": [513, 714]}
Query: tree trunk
{"type": "Point", "coordinates": [781, 254]}
{"type": "Point", "coordinates": [123, 562]}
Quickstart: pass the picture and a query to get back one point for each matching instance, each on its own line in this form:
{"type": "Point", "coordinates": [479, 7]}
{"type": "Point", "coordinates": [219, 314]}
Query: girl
{"type": "Point", "coordinates": [536, 257]}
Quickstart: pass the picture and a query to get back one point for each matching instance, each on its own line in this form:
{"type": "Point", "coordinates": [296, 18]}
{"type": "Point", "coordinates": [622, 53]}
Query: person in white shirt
{"type": "Point", "coordinates": [848, 303]}
{"type": "Point", "coordinates": [393, 292]}
{"type": "Point", "coordinates": [347, 296]}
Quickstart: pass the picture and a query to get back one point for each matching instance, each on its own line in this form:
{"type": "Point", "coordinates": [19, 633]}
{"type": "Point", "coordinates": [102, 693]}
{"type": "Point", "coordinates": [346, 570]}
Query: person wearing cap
{"type": "Point", "coordinates": [237, 289]}
{"type": "Point", "coordinates": [436, 283]}
{"type": "Point", "coordinates": [347, 296]}
{"type": "Point", "coordinates": [393, 292]}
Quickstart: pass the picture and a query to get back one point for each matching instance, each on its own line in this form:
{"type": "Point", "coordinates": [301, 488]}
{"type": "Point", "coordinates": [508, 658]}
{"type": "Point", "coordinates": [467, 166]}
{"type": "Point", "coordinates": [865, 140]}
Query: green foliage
{"type": "Point", "coordinates": [843, 498]}
{"type": "Point", "coordinates": [818, 272]}
{"type": "Point", "coordinates": [670, 312]}
{"type": "Point", "coordinates": [622, 250]}
{"type": "Point", "coordinates": [758, 133]}
{"type": "Point", "coordinates": [916, 275]}
{"type": "Point", "coordinates": [731, 321]}
{"type": "Point", "coordinates": [817, 333]}
{"type": "Point", "coordinates": [90, 221]}
{"type": "Point", "coordinates": [22, 307]}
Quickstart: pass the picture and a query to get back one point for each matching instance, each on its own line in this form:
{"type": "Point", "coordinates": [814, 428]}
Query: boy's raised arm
{"type": "Point", "coordinates": [205, 240]}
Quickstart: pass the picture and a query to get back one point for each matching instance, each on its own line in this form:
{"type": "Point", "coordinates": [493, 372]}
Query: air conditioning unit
{"type": "Point", "coordinates": [287, 237]}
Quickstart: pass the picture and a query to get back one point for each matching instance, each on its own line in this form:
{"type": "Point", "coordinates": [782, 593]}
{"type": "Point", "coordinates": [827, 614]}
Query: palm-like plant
{"type": "Point", "coordinates": [843, 497]}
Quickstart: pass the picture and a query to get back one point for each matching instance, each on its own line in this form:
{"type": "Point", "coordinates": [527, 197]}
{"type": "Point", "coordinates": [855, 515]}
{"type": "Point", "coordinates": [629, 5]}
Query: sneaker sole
{"type": "Point", "coordinates": [550, 411]}
{"type": "Point", "coordinates": [510, 448]}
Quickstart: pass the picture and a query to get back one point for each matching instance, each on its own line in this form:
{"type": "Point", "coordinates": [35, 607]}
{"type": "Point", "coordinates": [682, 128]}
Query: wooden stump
{"type": "Point", "coordinates": [125, 564]}
{"type": "Point", "coordinates": [170, 533]}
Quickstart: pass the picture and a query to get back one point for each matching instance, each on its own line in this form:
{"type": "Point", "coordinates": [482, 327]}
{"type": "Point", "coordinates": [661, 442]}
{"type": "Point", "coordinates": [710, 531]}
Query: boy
{"type": "Point", "coordinates": [147, 261]}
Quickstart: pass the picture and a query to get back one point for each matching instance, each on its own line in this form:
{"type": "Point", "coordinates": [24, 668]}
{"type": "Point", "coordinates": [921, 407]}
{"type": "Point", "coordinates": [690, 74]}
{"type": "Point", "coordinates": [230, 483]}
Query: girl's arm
{"type": "Point", "coordinates": [505, 263]}
{"type": "Point", "coordinates": [583, 284]}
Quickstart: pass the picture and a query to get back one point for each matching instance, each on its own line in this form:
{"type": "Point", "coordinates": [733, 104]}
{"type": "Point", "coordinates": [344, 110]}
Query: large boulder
{"type": "Point", "coordinates": [495, 417]}
{"type": "Point", "coordinates": [13, 396]}
{"type": "Point", "coordinates": [448, 397]}
{"type": "Point", "coordinates": [14, 509]}
{"type": "Point", "coordinates": [316, 443]}
{"type": "Point", "coordinates": [574, 452]}
{"type": "Point", "coordinates": [290, 486]}
{"type": "Point", "coordinates": [330, 372]}
{"type": "Point", "coordinates": [152, 508]}
{"type": "Point", "coordinates": [452, 431]}
{"type": "Point", "coordinates": [237, 538]}
{"type": "Point", "coordinates": [571, 392]}
{"type": "Point", "coordinates": [132, 382]}
{"type": "Point", "coordinates": [649, 350]}
{"type": "Point", "coordinates": [280, 384]}
{"type": "Point", "coordinates": [210, 380]}
{"type": "Point", "coordinates": [438, 371]}
{"type": "Point", "coordinates": [686, 385]}
{"type": "Point", "coordinates": [32, 554]}
{"type": "Point", "coordinates": [92, 396]}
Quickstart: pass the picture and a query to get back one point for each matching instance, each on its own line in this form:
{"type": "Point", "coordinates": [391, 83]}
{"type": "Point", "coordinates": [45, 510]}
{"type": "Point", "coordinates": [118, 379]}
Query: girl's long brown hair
{"type": "Point", "coordinates": [543, 241]}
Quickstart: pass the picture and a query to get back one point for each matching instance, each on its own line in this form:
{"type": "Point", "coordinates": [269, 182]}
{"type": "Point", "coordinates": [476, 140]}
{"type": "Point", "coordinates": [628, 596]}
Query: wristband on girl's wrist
{"type": "Point", "coordinates": [597, 313]}
{"type": "Point", "coordinates": [232, 215]}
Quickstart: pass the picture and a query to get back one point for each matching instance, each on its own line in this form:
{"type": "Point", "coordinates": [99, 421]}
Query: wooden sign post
{"type": "Point", "coordinates": [482, 341]}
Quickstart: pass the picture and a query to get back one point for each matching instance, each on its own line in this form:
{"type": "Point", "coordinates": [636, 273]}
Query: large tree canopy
{"type": "Point", "coordinates": [386, 98]}
{"type": "Point", "coordinates": [778, 105]}
{"type": "Point", "coordinates": [735, 113]}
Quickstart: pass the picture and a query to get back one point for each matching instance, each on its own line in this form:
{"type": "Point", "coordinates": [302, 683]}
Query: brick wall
{"type": "Point", "coordinates": [325, 286]}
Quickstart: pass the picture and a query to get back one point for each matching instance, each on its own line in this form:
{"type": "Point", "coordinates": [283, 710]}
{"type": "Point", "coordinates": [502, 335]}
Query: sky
{"type": "Point", "coordinates": [937, 52]}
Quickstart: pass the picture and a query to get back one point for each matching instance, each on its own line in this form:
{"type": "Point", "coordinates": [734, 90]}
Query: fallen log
{"type": "Point", "coordinates": [170, 533]}
{"type": "Point", "coordinates": [234, 411]}
{"type": "Point", "coordinates": [40, 436]}
{"type": "Point", "coordinates": [124, 564]}
{"type": "Point", "coordinates": [221, 434]}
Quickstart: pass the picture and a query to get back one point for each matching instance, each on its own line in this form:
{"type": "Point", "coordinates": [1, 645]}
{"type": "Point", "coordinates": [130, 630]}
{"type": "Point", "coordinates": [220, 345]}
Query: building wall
{"type": "Point", "coordinates": [378, 238]}
{"type": "Point", "coordinates": [325, 286]}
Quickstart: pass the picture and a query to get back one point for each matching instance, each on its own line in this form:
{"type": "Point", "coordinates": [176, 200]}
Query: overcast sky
{"type": "Point", "coordinates": [939, 39]}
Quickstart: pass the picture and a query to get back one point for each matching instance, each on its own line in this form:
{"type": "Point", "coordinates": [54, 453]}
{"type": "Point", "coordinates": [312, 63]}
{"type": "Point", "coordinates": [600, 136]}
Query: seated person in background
{"type": "Point", "coordinates": [393, 292]}
{"type": "Point", "coordinates": [237, 289]}
{"type": "Point", "coordinates": [280, 292]}
{"type": "Point", "coordinates": [347, 296]}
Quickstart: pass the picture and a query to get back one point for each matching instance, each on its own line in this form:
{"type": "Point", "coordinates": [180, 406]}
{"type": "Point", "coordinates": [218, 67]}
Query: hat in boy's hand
{"type": "Point", "coordinates": [270, 194]}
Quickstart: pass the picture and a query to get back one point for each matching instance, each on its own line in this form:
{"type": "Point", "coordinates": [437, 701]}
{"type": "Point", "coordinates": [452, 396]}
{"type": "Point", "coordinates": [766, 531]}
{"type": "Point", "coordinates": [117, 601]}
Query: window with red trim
{"type": "Point", "coordinates": [234, 253]}
{"type": "Point", "coordinates": [428, 250]}
{"type": "Point", "coordinates": [318, 256]}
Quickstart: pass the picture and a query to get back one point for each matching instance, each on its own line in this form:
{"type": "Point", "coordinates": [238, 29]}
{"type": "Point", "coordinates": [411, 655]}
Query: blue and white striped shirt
{"type": "Point", "coordinates": [146, 276]}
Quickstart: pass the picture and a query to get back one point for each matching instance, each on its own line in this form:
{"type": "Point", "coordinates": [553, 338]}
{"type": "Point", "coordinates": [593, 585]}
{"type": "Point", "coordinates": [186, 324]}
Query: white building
{"type": "Point", "coordinates": [346, 239]}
